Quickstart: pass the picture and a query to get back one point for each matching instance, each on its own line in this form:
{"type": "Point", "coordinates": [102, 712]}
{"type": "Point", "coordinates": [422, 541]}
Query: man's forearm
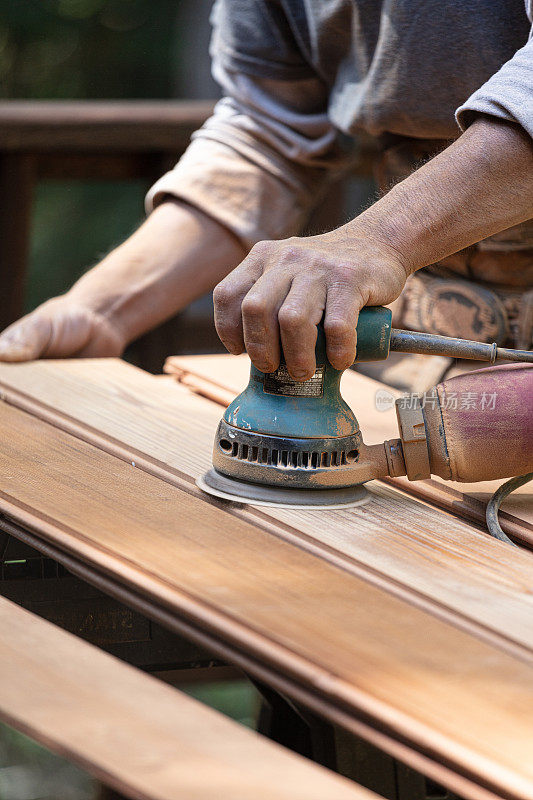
{"type": "Point", "coordinates": [178, 254]}
{"type": "Point", "coordinates": [174, 257]}
{"type": "Point", "coordinates": [480, 185]}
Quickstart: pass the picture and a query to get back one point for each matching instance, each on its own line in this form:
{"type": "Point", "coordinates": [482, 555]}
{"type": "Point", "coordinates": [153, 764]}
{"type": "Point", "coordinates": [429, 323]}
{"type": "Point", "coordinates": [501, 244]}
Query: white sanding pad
{"type": "Point", "coordinates": [256, 494]}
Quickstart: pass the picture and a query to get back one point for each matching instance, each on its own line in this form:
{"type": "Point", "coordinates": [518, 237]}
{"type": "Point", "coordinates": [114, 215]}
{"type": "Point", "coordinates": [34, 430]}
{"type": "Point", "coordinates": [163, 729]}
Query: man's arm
{"type": "Point", "coordinates": [177, 255]}
{"type": "Point", "coordinates": [252, 172]}
{"type": "Point", "coordinates": [479, 185]}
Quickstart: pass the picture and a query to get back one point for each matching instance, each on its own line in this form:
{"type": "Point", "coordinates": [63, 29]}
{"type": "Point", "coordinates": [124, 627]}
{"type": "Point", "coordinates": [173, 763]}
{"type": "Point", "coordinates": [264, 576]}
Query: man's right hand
{"type": "Point", "coordinates": [61, 328]}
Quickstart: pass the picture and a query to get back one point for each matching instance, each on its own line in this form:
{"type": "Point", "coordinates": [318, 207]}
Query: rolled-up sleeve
{"type": "Point", "coordinates": [263, 160]}
{"type": "Point", "coordinates": [508, 94]}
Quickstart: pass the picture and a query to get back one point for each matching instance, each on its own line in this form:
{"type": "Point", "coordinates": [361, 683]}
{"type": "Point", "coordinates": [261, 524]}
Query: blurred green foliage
{"type": "Point", "coordinates": [87, 48]}
{"type": "Point", "coordinates": [29, 772]}
{"type": "Point", "coordinates": [75, 223]}
{"type": "Point", "coordinates": [236, 699]}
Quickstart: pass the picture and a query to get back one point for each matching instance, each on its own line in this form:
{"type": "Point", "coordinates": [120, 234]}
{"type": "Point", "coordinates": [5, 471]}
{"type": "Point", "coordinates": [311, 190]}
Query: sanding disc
{"type": "Point", "coordinates": [258, 495]}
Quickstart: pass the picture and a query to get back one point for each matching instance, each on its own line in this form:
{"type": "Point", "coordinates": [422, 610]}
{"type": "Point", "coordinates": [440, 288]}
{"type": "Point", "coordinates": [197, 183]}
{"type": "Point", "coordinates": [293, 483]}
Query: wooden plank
{"type": "Point", "coordinates": [440, 563]}
{"type": "Point", "coordinates": [136, 734]}
{"type": "Point", "coordinates": [359, 649]}
{"type": "Point", "coordinates": [519, 503]}
{"type": "Point", "coordinates": [472, 506]}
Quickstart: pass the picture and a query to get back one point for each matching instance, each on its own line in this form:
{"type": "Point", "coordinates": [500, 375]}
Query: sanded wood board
{"type": "Point", "coordinates": [419, 690]}
{"type": "Point", "coordinates": [415, 677]}
{"type": "Point", "coordinates": [134, 733]}
{"type": "Point", "coordinates": [438, 562]}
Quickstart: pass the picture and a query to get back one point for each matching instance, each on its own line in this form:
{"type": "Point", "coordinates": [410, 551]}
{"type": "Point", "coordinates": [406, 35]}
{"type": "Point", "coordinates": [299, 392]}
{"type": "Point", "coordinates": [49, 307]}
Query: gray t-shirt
{"type": "Point", "coordinates": [399, 66]}
{"type": "Point", "coordinates": [301, 78]}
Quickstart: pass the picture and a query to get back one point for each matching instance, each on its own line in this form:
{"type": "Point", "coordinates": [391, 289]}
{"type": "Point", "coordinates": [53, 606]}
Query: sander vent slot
{"type": "Point", "coordinates": [298, 459]}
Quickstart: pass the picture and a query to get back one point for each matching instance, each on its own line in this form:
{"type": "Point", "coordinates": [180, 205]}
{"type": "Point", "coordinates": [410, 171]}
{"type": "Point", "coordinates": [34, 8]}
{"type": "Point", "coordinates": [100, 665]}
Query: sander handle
{"type": "Point", "coordinates": [376, 338]}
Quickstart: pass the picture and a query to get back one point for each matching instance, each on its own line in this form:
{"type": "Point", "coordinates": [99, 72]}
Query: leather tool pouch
{"type": "Point", "coordinates": [459, 307]}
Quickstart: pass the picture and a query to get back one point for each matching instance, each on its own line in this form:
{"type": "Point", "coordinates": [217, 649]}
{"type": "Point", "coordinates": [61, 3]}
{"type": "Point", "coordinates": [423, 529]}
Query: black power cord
{"type": "Point", "coordinates": [496, 500]}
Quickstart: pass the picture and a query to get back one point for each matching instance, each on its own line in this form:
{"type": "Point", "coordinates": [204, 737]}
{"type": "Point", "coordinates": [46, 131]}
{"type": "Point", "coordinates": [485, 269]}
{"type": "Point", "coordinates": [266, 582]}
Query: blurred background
{"type": "Point", "coordinates": [104, 50]}
{"type": "Point", "coordinates": [96, 50]}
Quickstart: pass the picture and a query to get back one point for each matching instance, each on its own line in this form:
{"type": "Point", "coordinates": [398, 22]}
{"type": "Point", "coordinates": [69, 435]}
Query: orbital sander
{"type": "Point", "coordinates": [297, 443]}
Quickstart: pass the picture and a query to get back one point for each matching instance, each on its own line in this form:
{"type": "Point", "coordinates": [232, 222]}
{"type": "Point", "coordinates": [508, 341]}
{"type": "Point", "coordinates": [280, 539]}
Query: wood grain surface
{"type": "Point", "coordinates": [134, 733]}
{"type": "Point", "coordinates": [327, 613]}
{"type": "Point", "coordinates": [439, 562]}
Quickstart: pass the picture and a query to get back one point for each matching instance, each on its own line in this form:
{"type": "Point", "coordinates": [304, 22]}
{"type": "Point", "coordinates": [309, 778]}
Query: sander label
{"type": "Point", "coordinates": [280, 382]}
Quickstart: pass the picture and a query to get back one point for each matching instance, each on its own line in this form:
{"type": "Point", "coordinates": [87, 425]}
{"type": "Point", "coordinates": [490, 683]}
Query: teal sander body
{"type": "Point", "coordinates": [296, 443]}
{"type": "Point", "coordinates": [285, 442]}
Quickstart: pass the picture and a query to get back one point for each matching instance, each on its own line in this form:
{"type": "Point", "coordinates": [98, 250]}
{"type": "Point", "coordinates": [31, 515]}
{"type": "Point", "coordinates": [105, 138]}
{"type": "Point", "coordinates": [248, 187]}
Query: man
{"type": "Point", "coordinates": [301, 77]}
